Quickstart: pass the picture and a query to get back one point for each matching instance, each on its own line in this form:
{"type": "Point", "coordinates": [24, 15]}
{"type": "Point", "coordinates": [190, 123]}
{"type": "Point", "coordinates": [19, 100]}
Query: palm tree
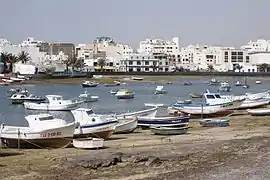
{"type": "Point", "coordinates": [101, 62]}
{"type": "Point", "coordinates": [210, 68]}
{"type": "Point", "coordinates": [264, 66]}
{"type": "Point", "coordinates": [5, 57]}
{"type": "Point", "coordinates": [12, 59]}
{"type": "Point", "coordinates": [24, 57]}
{"type": "Point", "coordinates": [154, 66]}
{"type": "Point", "coordinates": [238, 67]}
{"type": "Point", "coordinates": [79, 63]}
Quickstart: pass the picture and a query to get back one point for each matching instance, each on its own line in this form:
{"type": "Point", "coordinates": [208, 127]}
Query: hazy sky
{"type": "Point", "coordinates": [217, 22]}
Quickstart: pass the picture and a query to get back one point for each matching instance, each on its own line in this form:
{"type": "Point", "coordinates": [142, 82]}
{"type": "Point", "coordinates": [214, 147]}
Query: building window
{"type": "Point", "coordinates": [240, 53]}
{"type": "Point", "coordinates": [138, 69]}
{"type": "Point", "coordinates": [111, 63]}
{"type": "Point", "coordinates": [95, 63]}
{"type": "Point", "coordinates": [130, 62]}
{"type": "Point", "coordinates": [166, 69]}
{"type": "Point", "coordinates": [142, 57]}
{"type": "Point", "coordinates": [234, 53]}
{"type": "Point", "coordinates": [146, 69]}
{"type": "Point", "coordinates": [130, 69]}
{"type": "Point", "coordinates": [146, 63]}
{"type": "Point", "coordinates": [138, 62]}
{"type": "Point", "coordinates": [226, 53]}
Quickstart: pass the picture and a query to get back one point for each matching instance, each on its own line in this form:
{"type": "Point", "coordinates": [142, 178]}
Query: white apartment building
{"type": "Point", "coordinates": [159, 46]}
{"type": "Point", "coordinates": [234, 57]}
{"type": "Point", "coordinates": [30, 42]}
{"type": "Point", "coordinates": [260, 45]}
{"type": "Point", "coordinates": [93, 65]}
{"type": "Point", "coordinates": [199, 57]}
{"type": "Point", "coordinates": [139, 63]}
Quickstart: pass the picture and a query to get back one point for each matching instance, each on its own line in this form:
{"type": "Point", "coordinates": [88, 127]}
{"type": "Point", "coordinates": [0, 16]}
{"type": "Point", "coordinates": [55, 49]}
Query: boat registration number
{"type": "Point", "coordinates": [53, 134]}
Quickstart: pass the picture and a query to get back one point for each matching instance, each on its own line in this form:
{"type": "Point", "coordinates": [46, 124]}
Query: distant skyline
{"type": "Point", "coordinates": [215, 22]}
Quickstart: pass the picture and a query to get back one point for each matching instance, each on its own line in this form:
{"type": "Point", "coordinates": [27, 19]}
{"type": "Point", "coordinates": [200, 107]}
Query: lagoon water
{"type": "Point", "coordinates": [108, 103]}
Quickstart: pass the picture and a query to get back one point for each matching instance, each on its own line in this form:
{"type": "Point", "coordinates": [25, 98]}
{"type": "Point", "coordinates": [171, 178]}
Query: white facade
{"type": "Point", "coordinates": [152, 46]}
{"type": "Point", "coordinates": [30, 42]}
{"type": "Point", "coordinates": [24, 69]}
{"type": "Point", "coordinates": [139, 63]}
{"type": "Point", "coordinates": [257, 46]}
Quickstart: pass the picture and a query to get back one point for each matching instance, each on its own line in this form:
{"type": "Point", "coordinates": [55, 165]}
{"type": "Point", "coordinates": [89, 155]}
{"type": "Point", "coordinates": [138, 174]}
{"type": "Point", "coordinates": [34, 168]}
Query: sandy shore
{"type": "Point", "coordinates": [235, 152]}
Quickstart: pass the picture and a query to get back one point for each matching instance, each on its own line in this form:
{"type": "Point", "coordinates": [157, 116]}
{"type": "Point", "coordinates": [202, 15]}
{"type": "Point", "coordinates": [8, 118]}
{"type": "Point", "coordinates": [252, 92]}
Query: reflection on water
{"type": "Point", "coordinates": [108, 103]}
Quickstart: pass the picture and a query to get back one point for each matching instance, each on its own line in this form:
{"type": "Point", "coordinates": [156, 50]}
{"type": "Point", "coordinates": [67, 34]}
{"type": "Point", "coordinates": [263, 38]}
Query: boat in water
{"type": "Point", "coordinates": [237, 83]}
{"type": "Point", "coordinates": [87, 84]}
{"type": "Point", "coordinates": [87, 97]}
{"type": "Point", "coordinates": [124, 94]}
{"type": "Point", "coordinates": [21, 98]}
{"type": "Point", "coordinates": [195, 95]}
{"type": "Point", "coordinates": [54, 103]}
{"type": "Point", "coordinates": [43, 131]}
{"type": "Point", "coordinates": [187, 83]}
{"type": "Point", "coordinates": [224, 87]}
{"type": "Point", "coordinates": [160, 90]}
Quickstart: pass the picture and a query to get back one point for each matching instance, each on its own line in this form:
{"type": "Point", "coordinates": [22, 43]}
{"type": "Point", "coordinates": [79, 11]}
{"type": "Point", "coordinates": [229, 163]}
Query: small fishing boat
{"type": "Point", "coordinates": [125, 94]}
{"type": "Point", "coordinates": [169, 82]}
{"type": "Point", "coordinates": [87, 97]}
{"type": "Point", "coordinates": [187, 83]}
{"type": "Point", "coordinates": [214, 122]}
{"type": "Point", "coordinates": [93, 125]}
{"type": "Point", "coordinates": [88, 143]}
{"type": "Point", "coordinates": [237, 83]}
{"type": "Point", "coordinates": [43, 131]}
{"type": "Point", "coordinates": [113, 91]}
{"type": "Point", "coordinates": [137, 78]}
{"type": "Point", "coordinates": [160, 90]}
{"type": "Point", "coordinates": [54, 103]}
{"type": "Point", "coordinates": [4, 84]}
{"type": "Point", "coordinates": [112, 85]}
{"type": "Point", "coordinates": [126, 125]}
{"type": "Point", "coordinates": [21, 98]}
{"type": "Point", "coordinates": [258, 82]}
{"type": "Point", "coordinates": [213, 82]}
{"type": "Point", "coordinates": [169, 121]}
{"type": "Point", "coordinates": [246, 86]}
{"type": "Point", "coordinates": [169, 130]}
{"type": "Point", "coordinates": [195, 95]}
{"type": "Point", "coordinates": [259, 112]}
{"type": "Point", "coordinates": [146, 112]}
{"type": "Point", "coordinates": [254, 103]}
{"type": "Point", "coordinates": [224, 87]}
{"type": "Point", "coordinates": [86, 84]}
{"type": "Point", "coordinates": [17, 90]}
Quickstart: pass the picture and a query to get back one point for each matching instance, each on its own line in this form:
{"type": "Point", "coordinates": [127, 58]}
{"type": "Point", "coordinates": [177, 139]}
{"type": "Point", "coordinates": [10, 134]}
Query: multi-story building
{"type": "Point", "coordinates": [166, 51]}
{"type": "Point", "coordinates": [139, 63]}
{"type": "Point", "coordinates": [30, 42]}
{"type": "Point", "coordinates": [56, 48]}
{"type": "Point", "coordinates": [261, 45]}
{"type": "Point", "coordinates": [235, 58]}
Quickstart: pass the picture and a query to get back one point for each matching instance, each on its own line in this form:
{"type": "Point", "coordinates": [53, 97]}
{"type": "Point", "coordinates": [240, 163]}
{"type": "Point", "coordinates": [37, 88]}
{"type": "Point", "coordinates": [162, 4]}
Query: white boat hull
{"type": "Point", "coordinates": [126, 126]}
{"type": "Point", "coordinates": [259, 112]}
{"type": "Point", "coordinates": [25, 137]}
{"type": "Point", "coordinates": [50, 107]}
{"type": "Point", "coordinates": [88, 143]}
{"type": "Point", "coordinates": [148, 112]}
{"type": "Point", "coordinates": [98, 130]}
{"type": "Point", "coordinates": [253, 104]}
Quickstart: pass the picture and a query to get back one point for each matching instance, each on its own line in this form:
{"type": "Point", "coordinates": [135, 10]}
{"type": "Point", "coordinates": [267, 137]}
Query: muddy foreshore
{"type": "Point", "coordinates": [241, 151]}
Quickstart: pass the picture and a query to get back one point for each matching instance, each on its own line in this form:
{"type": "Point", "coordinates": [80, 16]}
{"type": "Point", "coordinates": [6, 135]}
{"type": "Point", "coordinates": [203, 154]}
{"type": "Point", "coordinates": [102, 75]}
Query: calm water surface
{"type": "Point", "coordinates": [14, 114]}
